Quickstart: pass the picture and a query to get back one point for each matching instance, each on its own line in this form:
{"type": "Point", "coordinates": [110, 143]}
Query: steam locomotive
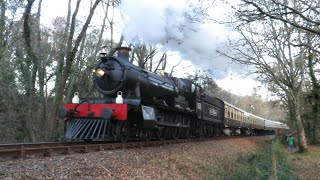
{"type": "Point", "coordinates": [142, 105]}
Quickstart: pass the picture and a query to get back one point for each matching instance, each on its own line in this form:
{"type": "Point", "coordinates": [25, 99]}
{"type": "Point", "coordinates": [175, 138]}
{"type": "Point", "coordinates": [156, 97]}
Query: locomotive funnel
{"type": "Point", "coordinates": [123, 52]}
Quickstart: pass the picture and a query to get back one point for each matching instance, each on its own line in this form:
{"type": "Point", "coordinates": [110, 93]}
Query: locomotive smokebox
{"type": "Point", "coordinates": [123, 52]}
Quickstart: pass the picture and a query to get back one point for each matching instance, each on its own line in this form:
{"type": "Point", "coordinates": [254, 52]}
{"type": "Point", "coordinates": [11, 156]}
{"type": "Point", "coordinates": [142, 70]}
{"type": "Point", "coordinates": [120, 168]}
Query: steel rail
{"type": "Point", "coordinates": [9, 151]}
{"type": "Point", "coordinates": [36, 145]}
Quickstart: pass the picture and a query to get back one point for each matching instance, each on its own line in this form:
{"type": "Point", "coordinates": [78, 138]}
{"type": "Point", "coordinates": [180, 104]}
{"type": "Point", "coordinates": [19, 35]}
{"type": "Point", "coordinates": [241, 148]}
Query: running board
{"type": "Point", "coordinates": [172, 124]}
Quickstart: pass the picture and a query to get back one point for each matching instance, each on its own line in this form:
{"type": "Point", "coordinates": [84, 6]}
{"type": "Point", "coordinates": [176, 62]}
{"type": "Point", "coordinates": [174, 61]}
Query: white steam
{"type": "Point", "coordinates": [178, 26]}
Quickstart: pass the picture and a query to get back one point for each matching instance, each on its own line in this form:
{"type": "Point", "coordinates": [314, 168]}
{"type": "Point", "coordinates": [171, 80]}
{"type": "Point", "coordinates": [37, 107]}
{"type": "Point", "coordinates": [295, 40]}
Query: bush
{"type": "Point", "coordinates": [257, 165]}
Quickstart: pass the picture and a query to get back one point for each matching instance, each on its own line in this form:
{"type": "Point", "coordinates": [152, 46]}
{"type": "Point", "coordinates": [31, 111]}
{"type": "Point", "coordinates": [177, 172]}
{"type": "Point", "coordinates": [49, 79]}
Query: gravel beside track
{"type": "Point", "coordinates": [176, 161]}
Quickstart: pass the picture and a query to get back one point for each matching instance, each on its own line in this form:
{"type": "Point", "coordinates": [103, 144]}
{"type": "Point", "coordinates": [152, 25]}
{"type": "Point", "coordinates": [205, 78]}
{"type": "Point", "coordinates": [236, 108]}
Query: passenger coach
{"type": "Point", "coordinates": [237, 121]}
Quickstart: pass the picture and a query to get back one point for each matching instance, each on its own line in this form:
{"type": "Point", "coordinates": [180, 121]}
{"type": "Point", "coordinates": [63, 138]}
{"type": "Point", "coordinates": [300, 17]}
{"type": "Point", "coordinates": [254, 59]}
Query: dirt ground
{"type": "Point", "coordinates": [201, 160]}
{"type": "Point", "coordinates": [307, 165]}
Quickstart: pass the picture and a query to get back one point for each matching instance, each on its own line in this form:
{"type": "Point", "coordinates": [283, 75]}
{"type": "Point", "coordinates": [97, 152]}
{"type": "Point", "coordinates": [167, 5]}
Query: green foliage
{"type": "Point", "coordinates": [257, 165]}
{"type": "Point", "coordinates": [284, 169]}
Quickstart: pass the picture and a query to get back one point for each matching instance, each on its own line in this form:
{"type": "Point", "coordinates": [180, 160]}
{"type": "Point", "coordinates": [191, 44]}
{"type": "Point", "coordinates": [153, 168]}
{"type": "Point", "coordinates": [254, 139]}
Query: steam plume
{"type": "Point", "coordinates": [179, 25]}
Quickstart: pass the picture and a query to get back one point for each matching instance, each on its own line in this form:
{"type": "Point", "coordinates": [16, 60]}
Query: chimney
{"type": "Point", "coordinates": [123, 52]}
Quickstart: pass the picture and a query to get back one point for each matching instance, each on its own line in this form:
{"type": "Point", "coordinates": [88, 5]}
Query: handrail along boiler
{"type": "Point", "coordinates": [138, 104]}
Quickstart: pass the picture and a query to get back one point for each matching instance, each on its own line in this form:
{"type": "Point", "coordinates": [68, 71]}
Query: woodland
{"type": "Point", "coordinates": [43, 65]}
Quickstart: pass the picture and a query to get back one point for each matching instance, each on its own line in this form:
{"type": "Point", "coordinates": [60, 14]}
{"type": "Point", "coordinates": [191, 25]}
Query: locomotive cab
{"type": "Point", "coordinates": [187, 92]}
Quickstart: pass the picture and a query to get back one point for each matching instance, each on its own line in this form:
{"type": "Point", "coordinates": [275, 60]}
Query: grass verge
{"type": "Point", "coordinates": [257, 165]}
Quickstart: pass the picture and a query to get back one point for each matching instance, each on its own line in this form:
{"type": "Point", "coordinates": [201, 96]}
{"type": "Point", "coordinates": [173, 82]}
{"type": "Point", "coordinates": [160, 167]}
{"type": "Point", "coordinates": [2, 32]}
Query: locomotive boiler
{"type": "Point", "coordinates": [114, 74]}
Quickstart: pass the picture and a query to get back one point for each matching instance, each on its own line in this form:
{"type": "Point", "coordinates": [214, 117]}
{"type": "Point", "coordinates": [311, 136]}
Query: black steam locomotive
{"type": "Point", "coordinates": [142, 105]}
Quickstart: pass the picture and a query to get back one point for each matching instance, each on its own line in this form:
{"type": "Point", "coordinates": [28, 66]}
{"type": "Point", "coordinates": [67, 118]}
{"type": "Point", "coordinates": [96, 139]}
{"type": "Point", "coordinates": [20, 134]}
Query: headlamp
{"type": "Point", "coordinates": [100, 72]}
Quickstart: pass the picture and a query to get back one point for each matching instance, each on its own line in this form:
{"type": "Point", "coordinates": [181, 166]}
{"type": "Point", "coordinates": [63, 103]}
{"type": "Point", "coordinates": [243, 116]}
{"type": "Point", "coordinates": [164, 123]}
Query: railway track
{"type": "Point", "coordinates": [26, 150]}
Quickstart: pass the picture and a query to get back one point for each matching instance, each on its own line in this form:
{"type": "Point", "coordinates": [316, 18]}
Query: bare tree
{"type": "Point", "coordinates": [304, 14]}
{"type": "Point", "coordinates": [143, 55]}
{"type": "Point", "coordinates": [162, 61]}
{"type": "Point", "coordinates": [11, 124]}
{"type": "Point", "coordinates": [34, 63]}
{"type": "Point", "coordinates": [314, 92]}
{"type": "Point", "coordinates": [72, 49]}
{"type": "Point", "coordinates": [267, 44]}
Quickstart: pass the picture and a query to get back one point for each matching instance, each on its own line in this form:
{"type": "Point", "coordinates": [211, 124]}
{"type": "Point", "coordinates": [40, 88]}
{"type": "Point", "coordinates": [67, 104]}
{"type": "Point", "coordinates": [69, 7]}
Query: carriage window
{"type": "Point", "coordinates": [234, 113]}
{"type": "Point", "coordinates": [231, 113]}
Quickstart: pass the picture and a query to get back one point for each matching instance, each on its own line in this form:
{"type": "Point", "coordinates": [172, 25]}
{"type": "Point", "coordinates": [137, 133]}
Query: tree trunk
{"type": "Point", "coordinates": [59, 72]}
{"type": "Point", "coordinates": [315, 101]}
{"type": "Point", "coordinates": [314, 133]}
{"type": "Point", "coordinates": [69, 62]}
{"type": "Point", "coordinates": [303, 147]}
{"type": "Point", "coordinates": [3, 42]}
{"type": "Point", "coordinates": [76, 68]}
{"type": "Point", "coordinates": [31, 83]}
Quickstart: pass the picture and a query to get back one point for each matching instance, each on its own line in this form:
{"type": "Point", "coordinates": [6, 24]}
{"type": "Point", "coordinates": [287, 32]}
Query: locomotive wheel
{"type": "Point", "coordinates": [175, 133]}
{"type": "Point", "coordinates": [186, 133]}
{"type": "Point", "coordinates": [211, 131]}
{"type": "Point", "coordinates": [146, 135]}
{"type": "Point", "coordinates": [122, 132]}
{"type": "Point", "coordinates": [165, 133]}
{"type": "Point", "coordinates": [158, 134]}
